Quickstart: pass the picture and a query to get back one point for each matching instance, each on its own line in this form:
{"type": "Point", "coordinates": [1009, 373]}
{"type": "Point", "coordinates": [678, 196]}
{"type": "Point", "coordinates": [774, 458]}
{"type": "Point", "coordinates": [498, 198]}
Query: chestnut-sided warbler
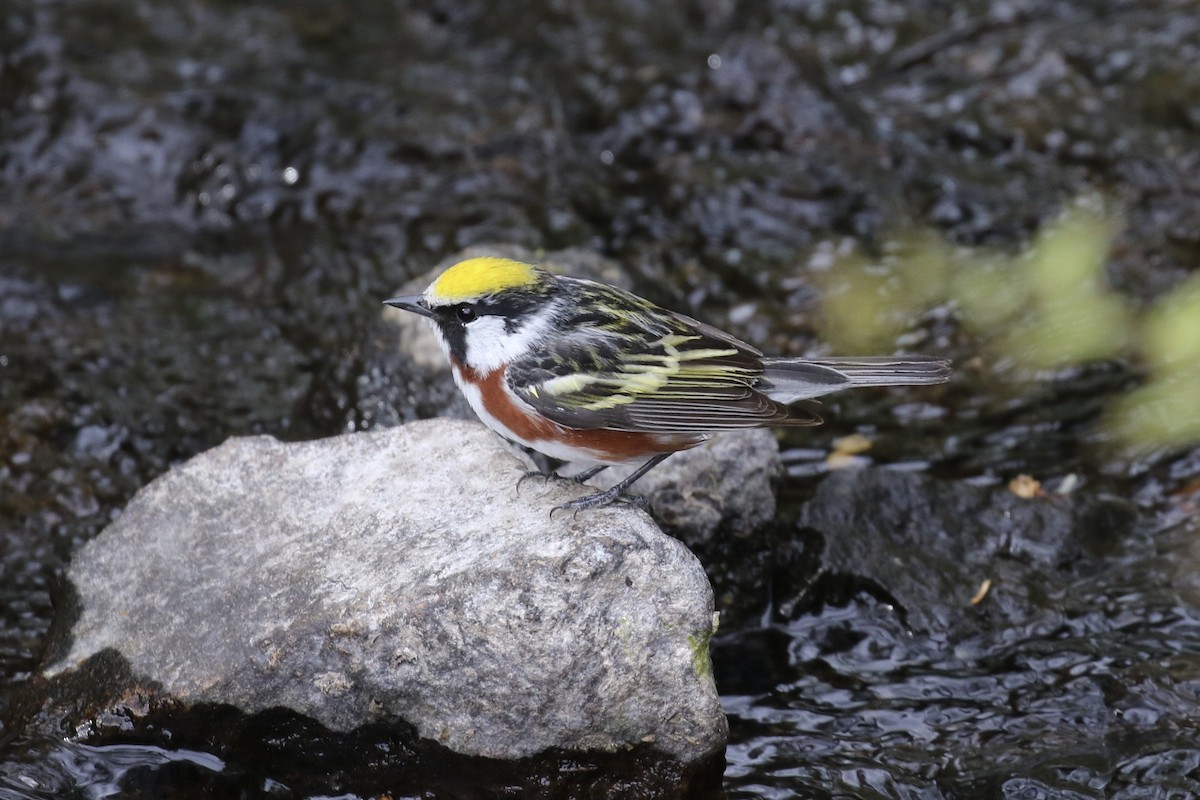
{"type": "Point", "coordinates": [583, 371]}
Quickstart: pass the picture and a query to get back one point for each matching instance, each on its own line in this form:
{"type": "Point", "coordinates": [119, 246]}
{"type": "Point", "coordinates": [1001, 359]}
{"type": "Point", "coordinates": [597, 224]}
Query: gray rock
{"type": "Point", "coordinates": [400, 575]}
{"type": "Point", "coordinates": [725, 486]}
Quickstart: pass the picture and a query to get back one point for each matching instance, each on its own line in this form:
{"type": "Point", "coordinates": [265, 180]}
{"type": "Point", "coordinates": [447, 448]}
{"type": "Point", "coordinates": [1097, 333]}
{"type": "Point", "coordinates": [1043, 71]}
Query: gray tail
{"type": "Point", "coordinates": [787, 380]}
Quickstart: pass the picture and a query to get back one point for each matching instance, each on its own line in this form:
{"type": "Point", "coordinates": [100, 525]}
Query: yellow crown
{"type": "Point", "coordinates": [476, 277]}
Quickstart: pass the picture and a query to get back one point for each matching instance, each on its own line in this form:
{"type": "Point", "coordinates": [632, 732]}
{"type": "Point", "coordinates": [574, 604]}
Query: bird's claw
{"type": "Point", "coordinates": [533, 473]}
{"type": "Point", "coordinates": [603, 499]}
{"type": "Point", "coordinates": [546, 476]}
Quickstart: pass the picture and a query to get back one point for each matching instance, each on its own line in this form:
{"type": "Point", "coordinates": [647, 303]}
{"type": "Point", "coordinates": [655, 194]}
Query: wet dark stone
{"type": "Point", "coordinates": [926, 546]}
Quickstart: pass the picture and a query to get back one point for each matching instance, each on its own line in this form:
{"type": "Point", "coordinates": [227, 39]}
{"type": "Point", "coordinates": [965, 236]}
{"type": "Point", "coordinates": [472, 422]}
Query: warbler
{"type": "Point", "coordinates": [583, 371]}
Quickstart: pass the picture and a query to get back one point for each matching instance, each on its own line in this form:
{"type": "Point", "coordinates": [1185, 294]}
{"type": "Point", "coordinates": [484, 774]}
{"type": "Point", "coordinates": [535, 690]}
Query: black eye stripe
{"type": "Point", "coordinates": [514, 311]}
{"type": "Point", "coordinates": [510, 307]}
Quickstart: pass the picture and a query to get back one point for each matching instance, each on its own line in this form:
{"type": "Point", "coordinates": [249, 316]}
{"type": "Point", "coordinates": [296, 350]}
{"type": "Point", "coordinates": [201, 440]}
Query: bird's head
{"type": "Point", "coordinates": [486, 311]}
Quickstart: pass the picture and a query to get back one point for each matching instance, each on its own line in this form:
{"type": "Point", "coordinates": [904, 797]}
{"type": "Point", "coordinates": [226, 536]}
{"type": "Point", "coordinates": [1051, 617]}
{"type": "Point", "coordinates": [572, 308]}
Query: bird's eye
{"type": "Point", "coordinates": [465, 313]}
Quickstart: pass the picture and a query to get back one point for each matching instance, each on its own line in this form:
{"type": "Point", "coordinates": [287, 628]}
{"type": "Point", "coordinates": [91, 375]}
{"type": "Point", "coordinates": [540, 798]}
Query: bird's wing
{"type": "Point", "coordinates": [636, 367]}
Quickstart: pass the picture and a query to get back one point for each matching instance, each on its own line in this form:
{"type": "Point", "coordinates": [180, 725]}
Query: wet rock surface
{"type": "Point", "coordinates": [388, 577]}
{"type": "Point", "coordinates": [927, 547]}
{"type": "Point", "coordinates": [203, 206]}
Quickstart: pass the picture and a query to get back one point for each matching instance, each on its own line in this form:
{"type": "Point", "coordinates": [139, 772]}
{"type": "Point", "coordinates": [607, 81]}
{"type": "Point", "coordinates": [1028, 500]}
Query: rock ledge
{"type": "Point", "coordinates": [399, 575]}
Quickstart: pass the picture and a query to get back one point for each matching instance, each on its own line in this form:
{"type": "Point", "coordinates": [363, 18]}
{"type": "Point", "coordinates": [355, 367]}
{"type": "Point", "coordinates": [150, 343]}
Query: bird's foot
{"type": "Point", "coordinates": [546, 476]}
{"type": "Point", "coordinates": [608, 497]}
{"type": "Point", "coordinates": [534, 473]}
{"type": "Point", "coordinates": [615, 494]}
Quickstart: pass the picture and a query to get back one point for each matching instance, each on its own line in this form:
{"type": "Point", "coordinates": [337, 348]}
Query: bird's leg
{"type": "Point", "coordinates": [590, 472]}
{"type": "Point", "coordinates": [581, 477]}
{"type": "Point", "coordinates": [610, 496]}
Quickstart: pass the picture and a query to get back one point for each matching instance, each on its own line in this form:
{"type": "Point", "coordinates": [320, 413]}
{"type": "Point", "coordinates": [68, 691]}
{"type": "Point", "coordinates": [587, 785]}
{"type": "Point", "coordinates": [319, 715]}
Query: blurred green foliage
{"type": "Point", "coordinates": [1044, 308]}
{"type": "Point", "coordinates": [1165, 411]}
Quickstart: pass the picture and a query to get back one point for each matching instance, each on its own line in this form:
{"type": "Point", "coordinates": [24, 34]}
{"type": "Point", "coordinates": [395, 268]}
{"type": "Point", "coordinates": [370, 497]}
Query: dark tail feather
{"type": "Point", "coordinates": [792, 379]}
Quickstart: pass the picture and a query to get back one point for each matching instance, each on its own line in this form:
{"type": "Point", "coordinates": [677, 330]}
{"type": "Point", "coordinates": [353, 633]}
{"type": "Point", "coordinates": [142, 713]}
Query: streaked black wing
{"type": "Point", "coordinates": [628, 365]}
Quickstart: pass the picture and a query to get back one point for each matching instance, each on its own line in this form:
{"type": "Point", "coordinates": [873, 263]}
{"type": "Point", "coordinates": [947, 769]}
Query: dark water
{"type": "Point", "coordinates": [202, 203]}
{"type": "Point", "coordinates": [1097, 702]}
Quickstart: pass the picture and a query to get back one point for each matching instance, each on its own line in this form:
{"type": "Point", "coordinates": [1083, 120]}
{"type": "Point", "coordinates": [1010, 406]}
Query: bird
{"type": "Point", "coordinates": [583, 371]}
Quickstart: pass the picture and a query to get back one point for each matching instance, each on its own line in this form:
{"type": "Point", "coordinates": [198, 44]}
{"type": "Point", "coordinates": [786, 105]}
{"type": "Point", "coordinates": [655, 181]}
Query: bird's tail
{"type": "Point", "coordinates": [787, 380]}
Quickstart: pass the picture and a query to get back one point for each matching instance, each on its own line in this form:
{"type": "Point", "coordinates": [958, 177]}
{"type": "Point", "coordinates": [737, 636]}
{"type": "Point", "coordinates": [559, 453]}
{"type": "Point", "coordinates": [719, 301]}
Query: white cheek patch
{"type": "Point", "coordinates": [486, 346]}
{"type": "Point", "coordinates": [490, 346]}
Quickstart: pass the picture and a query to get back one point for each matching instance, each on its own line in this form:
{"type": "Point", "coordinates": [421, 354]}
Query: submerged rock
{"type": "Point", "coordinates": [959, 560]}
{"type": "Point", "coordinates": [399, 575]}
